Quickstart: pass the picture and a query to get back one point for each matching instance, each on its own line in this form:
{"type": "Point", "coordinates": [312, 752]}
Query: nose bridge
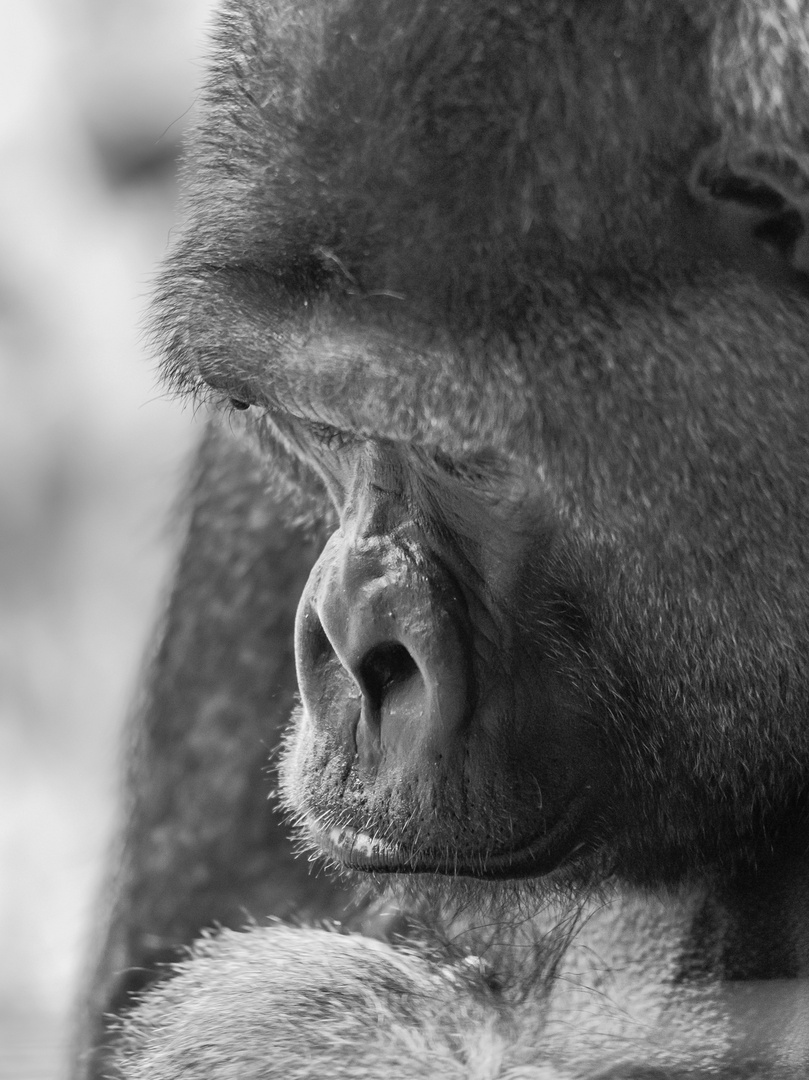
{"type": "Point", "coordinates": [377, 503]}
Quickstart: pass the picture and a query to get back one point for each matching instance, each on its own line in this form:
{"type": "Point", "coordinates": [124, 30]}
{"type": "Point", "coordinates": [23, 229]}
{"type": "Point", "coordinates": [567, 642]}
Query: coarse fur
{"type": "Point", "coordinates": [300, 1003]}
{"type": "Point", "coordinates": [371, 1010]}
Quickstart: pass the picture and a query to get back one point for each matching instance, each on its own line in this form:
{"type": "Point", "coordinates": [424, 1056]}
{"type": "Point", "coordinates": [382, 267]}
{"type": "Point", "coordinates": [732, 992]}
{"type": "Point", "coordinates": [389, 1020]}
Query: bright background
{"type": "Point", "coordinates": [94, 95]}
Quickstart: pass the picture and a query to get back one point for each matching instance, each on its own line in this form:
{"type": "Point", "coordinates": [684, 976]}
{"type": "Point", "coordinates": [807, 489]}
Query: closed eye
{"type": "Point", "coordinates": [483, 469]}
{"type": "Point", "coordinates": [331, 437]}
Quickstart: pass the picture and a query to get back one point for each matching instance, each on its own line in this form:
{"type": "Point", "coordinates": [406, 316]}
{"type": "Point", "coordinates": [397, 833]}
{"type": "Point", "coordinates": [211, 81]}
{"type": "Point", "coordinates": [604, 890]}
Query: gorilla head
{"type": "Point", "coordinates": [515, 292]}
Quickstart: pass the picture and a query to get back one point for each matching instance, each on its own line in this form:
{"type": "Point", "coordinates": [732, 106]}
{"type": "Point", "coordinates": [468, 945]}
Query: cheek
{"type": "Point", "coordinates": [557, 737]}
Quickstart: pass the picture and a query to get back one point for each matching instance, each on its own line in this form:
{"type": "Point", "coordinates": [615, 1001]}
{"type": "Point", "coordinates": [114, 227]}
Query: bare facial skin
{"type": "Point", "coordinates": [511, 301]}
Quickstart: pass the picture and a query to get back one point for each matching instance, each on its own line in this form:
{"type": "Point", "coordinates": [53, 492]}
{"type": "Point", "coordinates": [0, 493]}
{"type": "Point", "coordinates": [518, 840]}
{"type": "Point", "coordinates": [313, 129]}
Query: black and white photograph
{"type": "Point", "coordinates": [404, 665]}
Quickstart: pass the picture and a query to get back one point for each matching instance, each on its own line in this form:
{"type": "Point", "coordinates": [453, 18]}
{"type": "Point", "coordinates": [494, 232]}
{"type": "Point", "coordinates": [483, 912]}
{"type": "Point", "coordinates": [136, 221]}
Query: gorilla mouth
{"type": "Point", "coordinates": [354, 849]}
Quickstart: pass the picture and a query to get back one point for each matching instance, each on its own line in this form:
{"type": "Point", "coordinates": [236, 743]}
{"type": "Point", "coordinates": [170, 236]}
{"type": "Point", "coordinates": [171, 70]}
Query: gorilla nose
{"type": "Point", "coordinates": [386, 670]}
{"type": "Point", "coordinates": [382, 650]}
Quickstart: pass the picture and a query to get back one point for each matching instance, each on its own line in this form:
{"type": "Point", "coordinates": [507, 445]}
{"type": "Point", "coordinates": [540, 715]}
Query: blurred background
{"type": "Point", "coordinates": [94, 97]}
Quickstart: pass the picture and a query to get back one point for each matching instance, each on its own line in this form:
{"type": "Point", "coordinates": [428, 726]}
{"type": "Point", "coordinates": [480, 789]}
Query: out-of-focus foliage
{"type": "Point", "coordinates": [94, 95]}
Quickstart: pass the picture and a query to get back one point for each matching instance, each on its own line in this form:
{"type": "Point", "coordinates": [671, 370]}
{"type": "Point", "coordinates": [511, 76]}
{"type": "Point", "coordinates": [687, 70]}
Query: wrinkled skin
{"type": "Point", "coordinates": [514, 298]}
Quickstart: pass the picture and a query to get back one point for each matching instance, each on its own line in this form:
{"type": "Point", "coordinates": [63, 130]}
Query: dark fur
{"type": "Point", "coordinates": [548, 258]}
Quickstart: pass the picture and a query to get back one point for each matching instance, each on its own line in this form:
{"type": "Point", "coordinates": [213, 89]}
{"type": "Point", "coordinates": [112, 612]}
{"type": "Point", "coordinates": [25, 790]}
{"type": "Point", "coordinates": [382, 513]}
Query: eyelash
{"type": "Point", "coordinates": [331, 437]}
{"type": "Point", "coordinates": [467, 471]}
{"type": "Point", "coordinates": [446, 465]}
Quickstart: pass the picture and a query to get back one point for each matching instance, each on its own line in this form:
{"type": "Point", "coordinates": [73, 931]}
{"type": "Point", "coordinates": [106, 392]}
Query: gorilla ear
{"type": "Point", "coordinates": [766, 196]}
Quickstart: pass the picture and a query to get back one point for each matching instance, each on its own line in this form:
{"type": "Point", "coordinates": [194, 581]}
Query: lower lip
{"type": "Point", "coordinates": [357, 850]}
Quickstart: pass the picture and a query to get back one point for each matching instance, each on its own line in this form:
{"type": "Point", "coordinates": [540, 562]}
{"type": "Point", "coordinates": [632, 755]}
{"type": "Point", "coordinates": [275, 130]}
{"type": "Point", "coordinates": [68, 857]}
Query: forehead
{"type": "Point", "coordinates": [444, 223]}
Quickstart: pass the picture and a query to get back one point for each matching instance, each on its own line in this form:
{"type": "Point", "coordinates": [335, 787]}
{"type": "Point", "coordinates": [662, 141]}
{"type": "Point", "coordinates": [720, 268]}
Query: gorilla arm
{"type": "Point", "coordinates": [342, 1006]}
{"type": "Point", "coordinates": [301, 1004]}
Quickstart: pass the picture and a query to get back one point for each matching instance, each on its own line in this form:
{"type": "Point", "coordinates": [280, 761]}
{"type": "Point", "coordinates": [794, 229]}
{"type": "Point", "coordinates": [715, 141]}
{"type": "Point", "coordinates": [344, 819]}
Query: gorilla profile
{"type": "Point", "coordinates": [506, 308]}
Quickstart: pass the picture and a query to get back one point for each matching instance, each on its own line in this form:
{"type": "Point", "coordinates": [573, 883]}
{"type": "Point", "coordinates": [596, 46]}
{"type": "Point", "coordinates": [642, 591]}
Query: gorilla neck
{"type": "Point", "coordinates": [761, 920]}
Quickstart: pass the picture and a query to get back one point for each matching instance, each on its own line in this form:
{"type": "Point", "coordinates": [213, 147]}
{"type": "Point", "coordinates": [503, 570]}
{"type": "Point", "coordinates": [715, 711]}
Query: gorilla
{"type": "Point", "coordinates": [502, 309]}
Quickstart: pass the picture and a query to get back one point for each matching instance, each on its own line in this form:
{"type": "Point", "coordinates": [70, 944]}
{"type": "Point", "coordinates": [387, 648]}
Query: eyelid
{"type": "Point", "coordinates": [329, 436]}
{"type": "Point", "coordinates": [305, 430]}
{"type": "Point", "coordinates": [472, 468]}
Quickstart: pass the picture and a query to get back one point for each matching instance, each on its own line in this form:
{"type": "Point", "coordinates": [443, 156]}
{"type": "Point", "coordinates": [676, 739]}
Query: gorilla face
{"type": "Point", "coordinates": [522, 290]}
{"type": "Point", "coordinates": [508, 661]}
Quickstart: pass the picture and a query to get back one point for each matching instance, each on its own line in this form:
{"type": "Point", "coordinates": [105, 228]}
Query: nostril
{"type": "Point", "coordinates": [384, 668]}
{"type": "Point", "coordinates": [782, 231]}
